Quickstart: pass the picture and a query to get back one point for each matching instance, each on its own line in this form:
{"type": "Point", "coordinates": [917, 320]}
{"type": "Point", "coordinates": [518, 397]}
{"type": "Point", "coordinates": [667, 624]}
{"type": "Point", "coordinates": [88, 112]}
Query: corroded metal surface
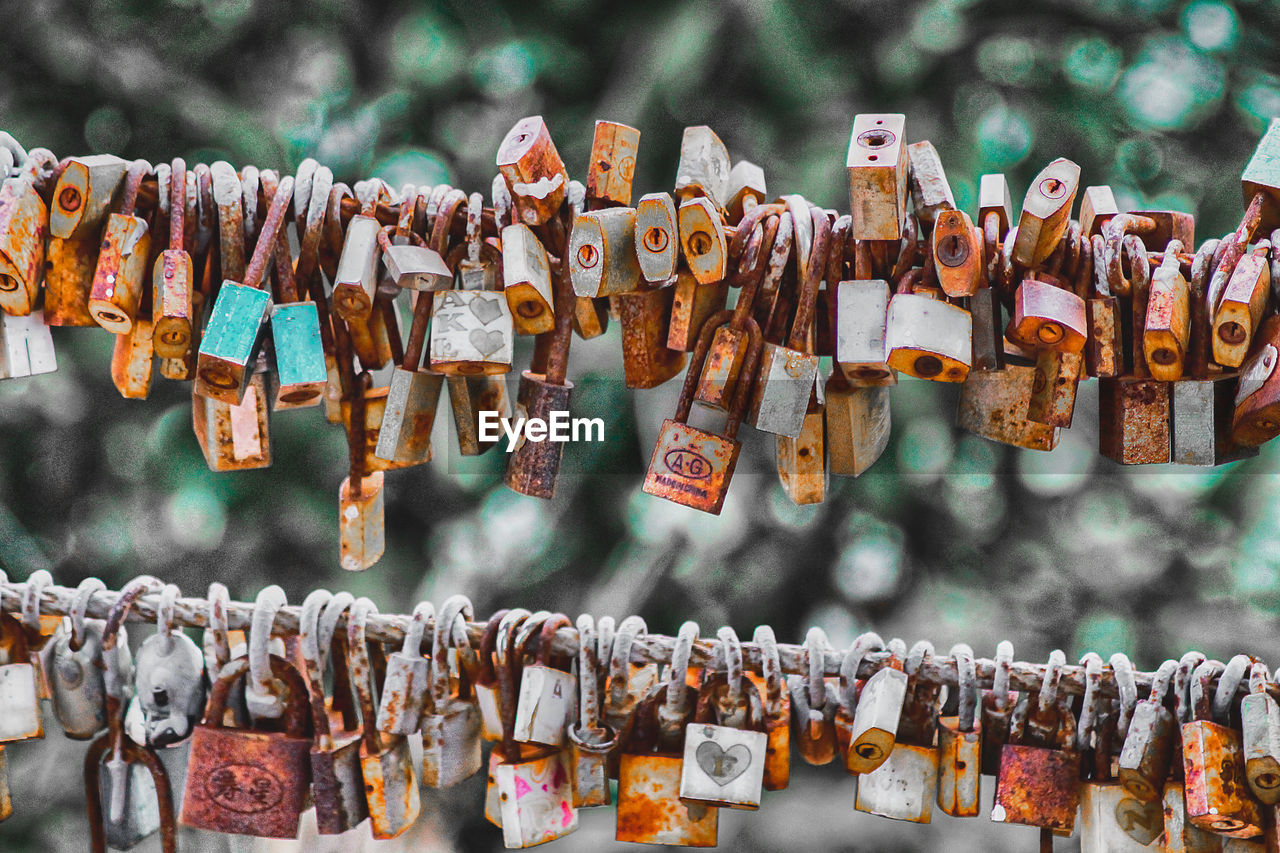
{"type": "Point", "coordinates": [1037, 787]}
{"type": "Point", "coordinates": [691, 467]}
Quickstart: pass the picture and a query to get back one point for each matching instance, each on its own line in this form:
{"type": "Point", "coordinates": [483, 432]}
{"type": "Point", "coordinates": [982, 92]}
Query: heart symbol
{"type": "Point", "coordinates": [486, 310]}
{"type": "Point", "coordinates": [486, 343]}
{"type": "Point", "coordinates": [723, 765]}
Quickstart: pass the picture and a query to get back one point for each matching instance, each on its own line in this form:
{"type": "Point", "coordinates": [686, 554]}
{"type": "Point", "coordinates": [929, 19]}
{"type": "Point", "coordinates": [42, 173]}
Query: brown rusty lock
{"type": "Point", "coordinates": [116, 293]}
{"type": "Point", "coordinates": [776, 707]}
{"type": "Point", "coordinates": [1047, 315]}
{"type": "Point", "coordinates": [960, 743]}
{"type": "Point", "coordinates": [813, 709]}
{"type": "Point", "coordinates": [246, 782]}
{"type": "Point", "coordinates": [1216, 785]}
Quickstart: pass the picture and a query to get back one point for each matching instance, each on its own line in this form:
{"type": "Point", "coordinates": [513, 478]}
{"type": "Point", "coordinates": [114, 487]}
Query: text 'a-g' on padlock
{"type": "Point", "coordinates": [691, 466]}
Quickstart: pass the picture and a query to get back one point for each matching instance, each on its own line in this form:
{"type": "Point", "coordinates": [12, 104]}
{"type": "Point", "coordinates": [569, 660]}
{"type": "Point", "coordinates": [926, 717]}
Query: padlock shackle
{"type": "Point", "coordinates": [546, 636]}
{"type": "Point", "coordinates": [130, 753]}
{"type": "Point", "coordinates": [816, 646]}
{"type": "Point", "coordinates": [79, 606]}
{"type": "Point", "coordinates": [770, 671]}
{"type": "Point", "coordinates": [422, 612]}
{"type": "Point", "coordinates": [164, 615]}
{"type": "Point", "coordinates": [442, 225]}
{"type": "Point", "coordinates": [588, 674]}
{"type": "Point", "coordinates": [509, 669]}
{"type": "Point", "coordinates": [1233, 674]}
{"type": "Point", "coordinates": [747, 224]}
{"type": "Point", "coordinates": [524, 636]}
{"type": "Point", "coordinates": [1090, 704]}
{"type": "Point", "coordinates": [1122, 669]}
{"type": "Point", "coordinates": [620, 663]}
{"type": "Point", "coordinates": [36, 583]}
{"type": "Point", "coordinates": [967, 686]}
{"type": "Point", "coordinates": [1201, 698]}
{"type": "Point", "coordinates": [677, 686]}
{"type": "Point", "coordinates": [562, 300]}
{"type": "Point", "coordinates": [129, 594]}
{"type": "Point", "coordinates": [312, 658]}
{"type": "Point", "coordinates": [1140, 294]}
{"type": "Point", "coordinates": [177, 203]}
{"type": "Point", "coordinates": [296, 709]}
{"type": "Point", "coordinates": [445, 629]}
{"type": "Point", "coordinates": [717, 705]}
{"type": "Point", "coordinates": [863, 645]}
{"type": "Point", "coordinates": [919, 717]}
{"type": "Point", "coordinates": [801, 338]}
{"type": "Point", "coordinates": [286, 281]}
{"type": "Point", "coordinates": [1161, 680]}
{"type": "Point", "coordinates": [266, 243]}
{"type": "Point", "coordinates": [361, 669]}
{"type": "Point", "coordinates": [485, 669]}
{"type": "Point", "coordinates": [837, 247]}
{"type": "Point", "coordinates": [1199, 343]}
{"type": "Point", "coordinates": [217, 634]}
{"type": "Point", "coordinates": [1182, 678]}
{"type": "Point", "coordinates": [266, 608]}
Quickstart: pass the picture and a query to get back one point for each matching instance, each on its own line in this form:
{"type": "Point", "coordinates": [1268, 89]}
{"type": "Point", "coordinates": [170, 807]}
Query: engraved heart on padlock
{"type": "Point", "coordinates": [723, 765]}
{"type": "Point", "coordinates": [486, 310]}
{"type": "Point", "coordinates": [486, 343]}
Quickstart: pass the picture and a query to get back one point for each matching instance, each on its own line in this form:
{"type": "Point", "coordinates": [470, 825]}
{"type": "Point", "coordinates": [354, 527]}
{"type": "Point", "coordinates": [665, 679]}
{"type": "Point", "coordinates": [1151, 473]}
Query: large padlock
{"type": "Point", "coordinates": [472, 331]}
{"type": "Point", "coordinates": [391, 785]}
{"type": "Point", "coordinates": [957, 253]}
{"type": "Point", "coordinates": [1047, 316]}
{"type": "Point", "coordinates": [68, 277]}
{"type": "Point", "coordinates": [1217, 792]}
{"type": "Point", "coordinates": [337, 783]}
{"type": "Point", "coordinates": [960, 743]}
{"type": "Point", "coordinates": [451, 728]}
{"type": "Point", "coordinates": [249, 782]}
{"type": "Point", "coordinates": [132, 800]}
{"type": "Point", "coordinates": [545, 704]}
{"type": "Point", "coordinates": [590, 740]}
{"type": "Point", "coordinates": [905, 785]}
{"type": "Point", "coordinates": [613, 163]}
{"type": "Point", "coordinates": [703, 170]}
{"type": "Point", "coordinates": [24, 222]}
{"type": "Point", "coordinates": [857, 426]}
{"type": "Point", "coordinates": [1039, 779]}
{"type": "Point", "coordinates": [169, 678]}
{"type": "Point", "coordinates": [131, 358]}
{"type": "Point", "coordinates": [650, 810]}
{"type": "Point", "coordinates": [1166, 336]}
{"type": "Point", "coordinates": [234, 333]}
{"type": "Point", "coordinates": [657, 238]}
{"type": "Point", "coordinates": [928, 338]}
{"type": "Point", "coordinates": [116, 293]}
{"type": "Point", "coordinates": [877, 165]}
{"type": "Point", "coordinates": [813, 709]}
{"type": "Point", "coordinates": [403, 695]}
{"type": "Point", "coordinates": [1147, 754]}
{"type": "Point", "coordinates": [76, 680]}
{"type": "Point", "coordinates": [26, 347]}
{"type": "Point", "coordinates": [602, 255]}
{"type": "Point", "coordinates": [1260, 734]}
{"type": "Point", "coordinates": [691, 466]}
{"type": "Point", "coordinates": [725, 745]}
{"type": "Point", "coordinates": [645, 317]}
{"type": "Point", "coordinates": [1046, 212]}
{"type": "Point", "coordinates": [533, 170]}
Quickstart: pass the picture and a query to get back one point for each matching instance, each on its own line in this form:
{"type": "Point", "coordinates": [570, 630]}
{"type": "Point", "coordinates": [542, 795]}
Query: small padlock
{"type": "Point", "coordinates": [337, 784]}
{"type": "Point", "coordinates": [1180, 834]}
{"type": "Point", "coordinates": [172, 276]}
{"type": "Point", "coordinates": [83, 194]}
{"type": "Point", "coordinates": [116, 293]}
{"type": "Point", "coordinates": [1217, 794]}
{"type": "Point", "coordinates": [650, 810]}
{"type": "Point", "coordinates": [1147, 754]}
{"type": "Point", "coordinates": [703, 170]}
{"type": "Point", "coordinates": [862, 310]}
{"type": "Point", "coordinates": [24, 222]}
{"type": "Point", "coordinates": [874, 726]}
{"type": "Point", "coordinates": [877, 165]}
{"type": "Point", "coordinates": [813, 709]}
{"type": "Point", "coordinates": [76, 680]}
{"type": "Point", "coordinates": [1256, 418]}
{"type": "Point", "coordinates": [725, 744]}
{"type": "Point", "coordinates": [169, 679]}
{"type": "Point", "coordinates": [404, 436]}
{"type": "Point", "coordinates": [960, 743]}
{"type": "Point", "coordinates": [26, 347]}
{"type": "Point", "coordinates": [404, 685]}
{"type": "Point", "coordinates": [1097, 208]}
{"type": "Point", "coordinates": [20, 716]}
{"type": "Point", "coordinates": [602, 256]}
{"type": "Point", "coordinates": [1039, 779]}
{"type": "Point", "coordinates": [68, 277]}
{"type": "Point", "coordinates": [997, 710]}
{"type": "Point", "coordinates": [657, 234]}
{"type": "Point", "coordinates": [690, 466]}
{"type": "Point", "coordinates": [745, 190]}
{"type": "Point", "coordinates": [486, 681]}
{"type": "Point", "coordinates": [451, 727]}
{"type": "Point", "coordinates": [234, 437]}
{"type": "Point", "coordinates": [703, 240]}
{"type": "Point", "coordinates": [1053, 391]}
{"type": "Point", "coordinates": [1166, 337]}
{"type": "Point", "coordinates": [645, 318]}
{"type": "Point", "coordinates": [361, 503]}
{"type": "Point", "coordinates": [590, 740]}
{"type": "Point", "coordinates": [356, 281]}
{"type": "Point", "coordinates": [1240, 308]}
{"type": "Point", "coordinates": [927, 338]}
{"type": "Point", "coordinates": [1046, 211]}
{"type": "Point", "coordinates": [957, 252]}
{"type": "Point", "coordinates": [613, 163]}
{"type": "Point", "coordinates": [526, 274]}
{"type": "Point", "coordinates": [250, 782]}
{"type": "Point", "coordinates": [298, 344]}
{"type": "Point", "coordinates": [391, 786]}
{"type": "Point", "coordinates": [1260, 734]}
{"type": "Point", "coordinates": [1047, 316]}
{"type": "Point", "coordinates": [545, 704]}
{"type": "Point", "coordinates": [533, 170]}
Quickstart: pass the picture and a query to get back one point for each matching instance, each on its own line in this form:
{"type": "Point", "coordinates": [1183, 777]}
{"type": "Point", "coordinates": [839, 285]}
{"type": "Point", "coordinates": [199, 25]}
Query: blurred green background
{"type": "Point", "coordinates": [948, 537]}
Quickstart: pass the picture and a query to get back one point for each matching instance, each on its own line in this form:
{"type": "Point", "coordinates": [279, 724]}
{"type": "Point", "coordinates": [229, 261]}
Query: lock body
{"type": "Point", "coordinates": [117, 280]}
{"type": "Point", "coordinates": [1200, 422]}
{"type": "Point", "coordinates": [23, 223]}
{"type": "Point", "coordinates": [602, 256]}
{"type": "Point", "coordinates": [83, 194]}
{"type": "Point", "coordinates": [234, 437]}
{"type": "Point", "coordinates": [536, 800]}
{"type": "Point", "coordinates": [169, 678]}
{"type": "Point", "coordinates": [930, 193]}
{"type": "Point", "coordinates": [26, 347]}
{"type": "Point", "coordinates": [1148, 751]}
{"type": "Point", "coordinates": [412, 400]}
{"type": "Point", "coordinates": [337, 786]}
{"type": "Point", "coordinates": [613, 162]}
{"type": "Point", "coordinates": [1112, 820]}
{"type": "Point", "coordinates": [391, 788]}
{"type": "Point", "coordinates": [20, 715]}
{"type": "Point", "coordinates": [780, 394]}
{"type": "Point", "coordinates": [959, 768]}
{"type": "Point", "coordinates": [79, 691]}
{"type": "Point", "coordinates": [957, 252]}
{"type": "Point", "coordinates": [356, 281]}
{"type": "Point", "coordinates": [1180, 834]}
{"type": "Point", "coordinates": [1037, 787]}
{"type": "Point", "coordinates": [246, 782]}
{"type": "Point", "coordinates": [589, 763]}
{"type": "Point", "coordinates": [657, 238]}
{"type": "Point", "coordinates": [231, 342]}
{"type": "Point", "coordinates": [1046, 209]}
{"type": "Point", "coordinates": [404, 694]}
{"type": "Point", "coordinates": [877, 167]}
{"type": "Point", "coordinates": [534, 172]}
{"type": "Point", "coordinates": [1216, 789]}
{"type": "Point", "coordinates": [875, 720]}
{"type": "Point", "coordinates": [645, 317]}
{"type": "Point", "coordinates": [649, 807]}
{"type": "Point", "coordinates": [721, 371]}
{"type": "Point", "coordinates": [1133, 420]}
{"type": "Point", "coordinates": [929, 339]}
{"type": "Point", "coordinates": [68, 278]}
{"type": "Point", "coordinates": [722, 766]}
{"type": "Point", "coordinates": [545, 707]}
{"type": "Point", "coordinates": [1047, 317]}
{"type": "Point", "coordinates": [862, 309]}
{"type": "Point", "coordinates": [857, 426]}
{"type": "Point", "coordinates": [1260, 734]}
{"type": "Point", "coordinates": [471, 333]}
{"type": "Point", "coordinates": [1168, 331]}
{"type": "Point", "coordinates": [131, 358]}
{"type": "Point", "coordinates": [361, 523]}
{"type": "Point", "coordinates": [802, 461]}
{"type": "Point", "coordinates": [299, 356]}
{"type": "Point", "coordinates": [702, 238]}
{"type": "Point", "coordinates": [903, 787]}
{"type": "Point", "coordinates": [691, 306]}
{"type": "Point", "coordinates": [1104, 352]}
{"type": "Point", "coordinates": [172, 306]}
{"type": "Point", "coordinates": [534, 466]}
{"type": "Point", "coordinates": [451, 744]}
{"type": "Point", "coordinates": [1053, 390]}
{"type": "Point", "coordinates": [526, 276]}
{"type": "Point", "coordinates": [1240, 310]}
{"type": "Point", "coordinates": [691, 467]}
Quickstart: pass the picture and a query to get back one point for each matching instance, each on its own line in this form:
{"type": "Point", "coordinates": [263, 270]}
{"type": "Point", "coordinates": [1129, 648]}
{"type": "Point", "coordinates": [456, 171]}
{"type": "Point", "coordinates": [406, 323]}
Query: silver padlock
{"type": "Point", "coordinates": [1260, 725]}
{"type": "Point", "coordinates": [545, 706]}
{"type": "Point", "coordinates": [20, 717]}
{"type": "Point", "coordinates": [960, 743]}
{"type": "Point", "coordinates": [263, 692]}
{"type": "Point", "coordinates": [875, 720]}
{"type": "Point", "coordinates": [451, 726]}
{"type": "Point", "coordinates": [404, 686]}
{"type": "Point", "coordinates": [79, 693]}
{"type": "Point", "coordinates": [169, 679]}
{"type": "Point", "coordinates": [590, 742]}
{"type": "Point", "coordinates": [26, 347]}
{"type": "Point", "coordinates": [928, 338]}
{"type": "Point", "coordinates": [703, 170]}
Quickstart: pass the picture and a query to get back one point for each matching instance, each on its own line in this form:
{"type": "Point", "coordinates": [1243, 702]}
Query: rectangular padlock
{"type": "Point", "coordinates": [536, 800]}
{"type": "Point", "coordinates": [68, 277]}
{"type": "Point", "coordinates": [534, 172]}
{"type": "Point", "coordinates": [1046, 316]}
{"type": "Point", "coordinates": [118, 278]}
{"type": "Point", "coordinates": [1046, 211]}
{"type": "Point", "coordinates": [903, 787]}
{"type": "Point", "coordinates": [1112, 820]}
{"type": "Point", "coordinates": [131, 359]}
{"type": "Point", "coordinates": [1216, 790]}
{"type": "Point", "coordinates": [361, 523]}
{"type": "Point", "coordinates": [722, 766]}
{"type": "Point", "coordinates": [994, 405]}
{"type": "Point", "coordinates": [1167, 335]}
{"type": "Point", "coordinates": [930, 192]}
{"type": "Point", "coordinates": [802, 461]}
{"type": "Point", "coordinates": [645, 317]}
{"type": "Point", "coordinates": [472, 333]}
{"type": "Point", "coordinates": [1053, 392]}
{"type": "Point", "coordinates": [857, 426]}
{"type": "Point", "coordinates": [300, 371]}
{"type": "Point", "coordinates": [613, 163]}
{"type": "Point", "coordinates": [657, 238]}
{"type": "Point", "coordinates": [602, 257]}
{"type": "Point", "coordinates": [173, 307]}
{"type": "Point", "coordinates": [526, 275]}
{"type": "Point", "coordinates": [1180, 834]}
{"type": "Point", "coordinates": [1133, 420]}
{"type": "Point", "coordinates": [356, 282]}
{"type": "Point", "coordinates": [26, 347]}
{"type": "Point", "coordinates": [20, 713]}
{"type": "Point", "coordinates": [862, 309]}
{"type": "Point", "coordinates": [692, 305]}
{"type": "Point", "coordinates": [231, 342]}
{"type": "Point", "coordinates": [234, 438]}
{"type": "Point", "coordinates": [391, 787]}
{"type": "Point", "coordinates": [691, 466]}
{"type": "Point", "coordinates": [703, 169]}
{"type": "Point", "coordinates": [875, 720]}
{"type": "Point", "coordinates": [1037, 786]}
{"type": "Point", "coordinates": [545, 706]}
{"type": "Point", "coordinates": [83, 194]}
{"type": "Point", "coordinates": [1239, 310]}
{"type": "Point", "coordinates": [1104, 347]}
{"type": "Point", "coordinates": [649, 807]}
{"type": "Point", "coordinates": [959, 767]}
{"type": "Point", "coordinates": [877, 165]}
{"type": "Point", "coordinates": [928, 339]}
{"type": "Point", "coordinates": [1260, 736]}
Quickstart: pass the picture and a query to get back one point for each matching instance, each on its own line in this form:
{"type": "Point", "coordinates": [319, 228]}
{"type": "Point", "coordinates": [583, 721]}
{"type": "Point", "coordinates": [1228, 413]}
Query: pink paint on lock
{"type": "Point", "coordinates": [522, 788]}
{"type": "Point", "coordinates": [568, 813]}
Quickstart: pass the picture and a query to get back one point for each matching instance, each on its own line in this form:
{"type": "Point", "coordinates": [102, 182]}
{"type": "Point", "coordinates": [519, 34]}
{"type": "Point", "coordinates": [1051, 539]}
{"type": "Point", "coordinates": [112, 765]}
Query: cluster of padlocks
{"type": "Point", "coordinates": [249, 734]}
{"type": "Point", "coordinates": [262, 317]}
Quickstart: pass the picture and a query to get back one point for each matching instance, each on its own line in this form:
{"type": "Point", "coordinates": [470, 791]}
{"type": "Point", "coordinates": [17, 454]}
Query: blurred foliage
{"type": "Point", "coordinates": [948, 537]}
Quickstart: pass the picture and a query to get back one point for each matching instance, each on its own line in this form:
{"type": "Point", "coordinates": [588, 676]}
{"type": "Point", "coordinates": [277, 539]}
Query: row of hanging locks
{"type": "Point", "coordinates": [249, 737]}
{"type": "Point", "coordinates": [1179, 336]}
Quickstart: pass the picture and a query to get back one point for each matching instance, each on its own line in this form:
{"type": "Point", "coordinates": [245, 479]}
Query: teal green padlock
{"type": "Point", "coordinates": [300, 374]}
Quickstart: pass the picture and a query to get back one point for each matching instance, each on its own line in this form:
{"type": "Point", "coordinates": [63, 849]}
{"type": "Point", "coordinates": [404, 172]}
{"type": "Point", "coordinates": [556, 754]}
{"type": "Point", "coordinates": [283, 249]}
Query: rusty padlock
{"type": "Point", "coordinates": [613, 164]}
{"type": "Point", "coordinates": [877, 711]}
{"type": "Point", "coordinates": [602, 256]}
{"type": "Point", "coordinates": [1217, 793]}
{"type": "Point", "coordinates": [928, 338]}
{"type": "Point", "coordinates": [451, 727]}
{"type": "Point", "coordinates": [403, 696]}
{"type": "Point", "coordinates": [745, 190]}
{"type": "Point", "coordinates": [960, 743]}
{"type": "Point", "coordinates": [813, 708]}
{"type": "Point", "coordinates": [590, 740]}
{"type": "Point", "coordinates": [526, 275]}
{"type": "Point", "coordinates": [75, 678]}
{"type": "Point", "coordinates": [657, 233]}
{"type": "Point", "coordinates": [1046, 211]}
{"type": "Point", "coordinates": [116, 293]}
{"type": "Point", "coordinates": [930, 193]}
{"type": "Point", "coordinates": [1147, 754]}
{"type": "Point", "coordinates": [545, 704]}
{"type": "Point", "coordinates": [486, 680]}
{"type": "Point", "coordinates": [404, 435]}
{"type": "Point", "coordinates": [533, 170]}
{"type": "Point", "coordinates": [776, 707]}
{"type": "Point", "coordinates": [645, 317]}
{"type": "Point", "coordinates": [703, 240]}
{"type": "Point", "coordinates": [877, 166]}
{"type": "Point", "coordinates": [997, 710]}
{"type": "Point", "coordinates": [173, 278]}
{"type": "Point", "coordinates": [249, 782]}
{"type": "Point", "coordinates": [1260, 734]}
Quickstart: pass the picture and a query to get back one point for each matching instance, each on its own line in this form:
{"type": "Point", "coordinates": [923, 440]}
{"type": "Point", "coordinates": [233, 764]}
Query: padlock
{"type": "Point", "coordinates": [1038, 783]}
{"type": "Point", "coordinates": [1046, 211]}
{"type": "Point", "coordinates": [813, 709]}
{"type": "Point", "coordinates": [472, 331]}
{"type": "Point", "coordinates": [957, 252]}
{"type": "Point", "coordinates": [692, 305]}
{"type": "Point", "coordinates": [857, 426]}
{"type": "Point", "coordinates": [927, 338]}
{"type": "Point", "coordinates": [337, 784]}
{"type": "Point", "coordinates": [786, 377]}
{"type": "Point", "coordinates": [862, 309]}
{"type": "Point", "coordinates": [801, 460]}
{"type": "Point", "coordinates": [26, 347]}
{"type": "Point", "coordinates": [356, 281]}
{"type": "Point", "coordinates": [68, 277]}
{"type": "Point", "coordinates": [590, 740]}
{"type": "Point", "coordinates": [650, 810]}
{"type": "Point", "coordinates": [1260, 734]}
{"type": "Point", "coordinates": [526, 274]}
{"type": "Point", "coordinates": [703, 240]}
{"type": "Point", "coordinates": [1180, 834]}
{"type": "Point", "coordinates": [76, 680]}
{"type": "Point", "coordinates": [629, 684]}
{"type": "Point", "coordinates": [24, 223]}
{"type": "Point", "coordinates": [1053, 391]}
{"type": "Point", "coordinates": [169, 679]}
{"type": "Point", "coordinates": [997, 710]}
{"type": "Point", "coordinates": [1112, 820]}
{"type": "Point", "coordinates": [234, 438]}
{"type": "Point", "coordinates": [960, 743]}
{"type": "Point", "coordinates": [1147, 754]}
{"type": "Point", "coordinates": [876, 715]}
{"type": "Point", "coordinates": [172, 277]}
{"type": "Point", "coordinates": [602, 257]}
{"type": "Point", "coordinates": [403, 696]}
{"type": "Point", "coordinates": [1239, 310]}
{"type": "Point", "coordinates": [361, 507]}
{"type": "Point", "coordinates": [534, 172]}
{"type": "Point", "coordinates": [1097, 207]}
{"type": "Point", "coordinates": [1133, 411]}
{"type": "Point", "coordinates": [131, 358]}
{"type": "Point", "coordinates": [657, 237]}
{"type": "Point", "coordinates": [250, 782]}
{"type": "Point", "coordinates": [486, 681]}
{"type": "Point", "coordinates": [116, 293]}
{"type": "Point", "coordinates": [703, 170]}
{"type": "Point", "coordinates": [1166, 336]}
{"type": "Point", "coordinates": [645, 317]}
{"type": "Point", "coordinates": [691, 466]}
{"type": "Point", "coordinates": [877, 165]}
{"type": "Point", "coordinates": [930, 193]}
{"type": "Point", "coordinates": [1217, 794]}
{"type": "Point", "coordinates": [451, 725]}
{"type": "Point", "coordinates": [545, 704]}
{"type": "Point", "coordinates": [391, 786]}
{"type": "Point", "coordinates": [83, 194]}
{"type": "Point", "coordinates": [1256, 419]}
{"type": "Point", "coordinates": [404, 435]}
{"type": "Point", "coordinates": [228, 200]}
{"type": "Point", "coordinates": [613, 164]}
{"type": "Point", "coordinates": [41, 629]}
{"type": "Point", "coordinates": [725, 744]}
{"type": "Point", "coordinates": [234, 332]}
{"type": "Point", "coordinates": [20, 714]}
{"type": "Point", "coordinates": [1046, 316]}
{"type": "Point", "coordinates": [132, 801]}
{"type": "Point", "coordinates": [744, 190]}
{"type": "Point", "coordinates": [776, 711]}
